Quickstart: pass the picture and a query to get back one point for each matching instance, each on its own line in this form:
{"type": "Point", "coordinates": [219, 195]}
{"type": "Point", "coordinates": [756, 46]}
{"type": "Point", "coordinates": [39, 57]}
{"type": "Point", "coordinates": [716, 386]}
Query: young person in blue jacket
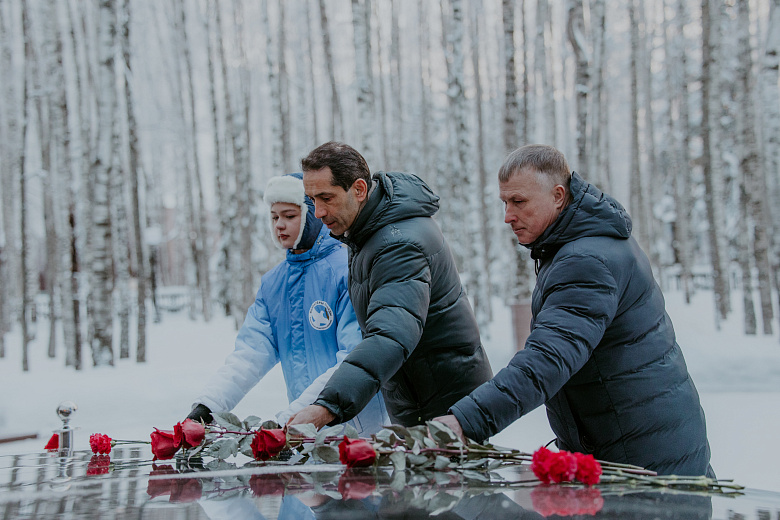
{"type": "Point", "coordinates": [302, 317]}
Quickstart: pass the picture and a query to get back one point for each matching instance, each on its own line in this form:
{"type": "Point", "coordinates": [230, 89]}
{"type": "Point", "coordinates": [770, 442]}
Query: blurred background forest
{"type": "Point", "coordinates": [136, 139]}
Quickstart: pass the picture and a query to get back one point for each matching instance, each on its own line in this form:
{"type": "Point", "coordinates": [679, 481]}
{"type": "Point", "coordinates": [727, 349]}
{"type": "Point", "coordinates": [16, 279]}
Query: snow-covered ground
{"type": "Point", "coordinates": [738, 378]}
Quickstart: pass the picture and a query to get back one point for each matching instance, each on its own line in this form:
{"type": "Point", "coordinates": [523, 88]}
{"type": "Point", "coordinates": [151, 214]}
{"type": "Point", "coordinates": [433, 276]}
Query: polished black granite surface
{"type": "Point", "coordinates": [128, 485]}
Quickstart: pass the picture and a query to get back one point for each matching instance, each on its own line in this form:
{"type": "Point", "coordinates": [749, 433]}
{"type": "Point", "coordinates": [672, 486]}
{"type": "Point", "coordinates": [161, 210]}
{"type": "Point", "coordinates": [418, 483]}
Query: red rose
{"type": "Point", "coordinates": [100, 443]}
{"type": "Point", "coordinates": [164, 445]}
{"type": "Point", "coordinates": [356, 453]}
{"type": "Point", "coordinates": [189, 433]}
{"type": "Point", "coordinates": [356, 486]}
{"type": "Point", "coordinates": [539, 464]}
{"type": "Point", "coordinates": [562, 466]}
{"type": "Point", "coordinates": [271, 484]}
{"type": "Point", "coordinates": [54, 442]}
{"type": "Point", "coordinates": [268, 443]}
{"type": "Point", "coordinates": [99, 465]}
{"type": "Point", "coordinates": [588, 469]}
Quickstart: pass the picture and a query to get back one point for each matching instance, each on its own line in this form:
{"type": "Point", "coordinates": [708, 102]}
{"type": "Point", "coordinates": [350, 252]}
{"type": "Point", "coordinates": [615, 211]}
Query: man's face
{"type": "Point", "coordinates": [531, 204]}
{"type": "Point", "coordinates": [336, 207]}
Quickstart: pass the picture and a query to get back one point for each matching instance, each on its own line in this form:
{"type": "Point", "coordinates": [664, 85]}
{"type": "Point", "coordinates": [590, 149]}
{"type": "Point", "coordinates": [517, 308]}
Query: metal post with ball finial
{"type": "Point", "coordinates": [65, 411]}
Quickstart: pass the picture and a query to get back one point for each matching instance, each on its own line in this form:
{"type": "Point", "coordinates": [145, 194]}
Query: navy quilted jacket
{"type": "Point", "coordinates": [602, 354]}
{"type": "Point", "coordinates": [421, 343]}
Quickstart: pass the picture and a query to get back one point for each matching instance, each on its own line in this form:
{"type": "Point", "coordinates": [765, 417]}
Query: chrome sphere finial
{"type": "Point", "coordinates": [65, 410]}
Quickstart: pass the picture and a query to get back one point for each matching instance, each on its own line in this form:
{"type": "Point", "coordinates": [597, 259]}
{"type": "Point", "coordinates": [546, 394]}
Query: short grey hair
{"type": "Point", "coordinates": [539, 158]}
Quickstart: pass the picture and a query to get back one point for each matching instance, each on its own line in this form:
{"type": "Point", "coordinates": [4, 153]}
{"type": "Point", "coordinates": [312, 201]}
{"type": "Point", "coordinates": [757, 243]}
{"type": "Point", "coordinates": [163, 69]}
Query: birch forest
{"type": "Point", "coordinates": [136, 138]}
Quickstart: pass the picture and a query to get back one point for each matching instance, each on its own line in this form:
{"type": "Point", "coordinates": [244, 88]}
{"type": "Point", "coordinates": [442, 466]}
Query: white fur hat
{"type": "Point", "coordinates": [287, 188]}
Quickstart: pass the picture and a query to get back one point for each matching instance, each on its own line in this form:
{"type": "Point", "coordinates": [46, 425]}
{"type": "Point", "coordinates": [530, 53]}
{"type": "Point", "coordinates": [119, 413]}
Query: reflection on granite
{"type": "Point", "coordinates": [124, 485]}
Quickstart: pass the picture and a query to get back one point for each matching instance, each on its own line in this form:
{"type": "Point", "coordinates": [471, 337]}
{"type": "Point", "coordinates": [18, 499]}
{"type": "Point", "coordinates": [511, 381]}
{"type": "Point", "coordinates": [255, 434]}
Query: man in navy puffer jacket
{"type": "Point", "coordinates": [602, 354]}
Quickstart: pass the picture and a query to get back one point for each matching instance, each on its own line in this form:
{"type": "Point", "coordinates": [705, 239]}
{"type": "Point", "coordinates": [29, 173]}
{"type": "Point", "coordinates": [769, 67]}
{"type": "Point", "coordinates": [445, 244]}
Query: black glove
{"type": "Point", "coordinates": [201, 413]}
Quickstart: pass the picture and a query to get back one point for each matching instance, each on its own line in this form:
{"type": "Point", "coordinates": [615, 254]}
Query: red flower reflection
{"type": "Point", "coordinates": [270, 484]}
{"type": "Point", "coordinates": [99, 465]}
{"type": "Point", "coordinates": [356, 485]}
{"type": "Point", "coordinates": [268, 443]}
{"type": "Point", "coordinates": [566, 501]}
{"type": "Point", "coordinates": [100, 443]}
{"type": "Point", "coordinates": [178, 489]}
{"type": "Point", "coordinates": [356, 453]}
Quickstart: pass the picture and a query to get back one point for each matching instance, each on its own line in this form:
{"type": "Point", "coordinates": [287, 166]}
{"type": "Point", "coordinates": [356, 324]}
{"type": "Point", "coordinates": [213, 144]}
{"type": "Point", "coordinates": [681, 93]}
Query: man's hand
{"type": "Point", "coordinates": [315, 414]}
{"type": "Point", "coordinates": [454, 425]}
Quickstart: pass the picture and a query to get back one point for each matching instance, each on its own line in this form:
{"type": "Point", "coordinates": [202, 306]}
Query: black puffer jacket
{"type": "Point", "coordinates": [602, 354]}
{"type": "Point", "coordinates": [420, 339]}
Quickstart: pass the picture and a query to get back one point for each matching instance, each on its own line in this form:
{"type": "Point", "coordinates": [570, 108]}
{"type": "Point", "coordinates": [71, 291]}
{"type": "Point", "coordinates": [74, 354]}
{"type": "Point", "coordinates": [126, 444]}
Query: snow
{"type": "Point", "coordinates": [738, 378]}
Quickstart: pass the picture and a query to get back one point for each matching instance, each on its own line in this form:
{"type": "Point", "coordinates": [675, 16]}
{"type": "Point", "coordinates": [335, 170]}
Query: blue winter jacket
{"type": "Point", "coordinates": [602, 354]}
{"type": "Point", "coordinates": [303, 318]}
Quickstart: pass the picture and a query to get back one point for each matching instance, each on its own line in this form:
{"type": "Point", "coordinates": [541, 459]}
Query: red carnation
{"type": "Point", "coordinates": [539, 463]}
{"type": "Point", "coordinates": [164, 446]}
{"type": "Point", "coordinates": [189, 433]}
{"type": "Point", "coordinates": [54, 442]}
{"type": "Point", "coordinates": [356, 452]}
{"type": "Point", "coordinates": [99, 465]}
{"type": "Point", "coordinates": [100, 443]}
{"type": "Point", "coordinates": [268, 443]}
{"type": "Point", "coordinates": [562, 467]}
{"type": "Point", "coordinates": [588, 469]}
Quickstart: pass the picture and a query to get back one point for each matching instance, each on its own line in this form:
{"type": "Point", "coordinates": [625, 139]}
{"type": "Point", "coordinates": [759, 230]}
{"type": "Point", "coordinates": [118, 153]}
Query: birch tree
{"type": "Point", "coordinates": [720, 280]}
{"type": "Point", "coordinates": [544, 73]}
{"type": "Point", "coordinates": [575, 27]}
{"type": "Point", "coordinates": [27, 296]}
{"type": "Point", "coordinates": [770, 121]}
{"type": "Point", "coordinates": [751, 166]}
{"type": "Point", "coordinates": [336, 120]}
{"type": "Point", "coordinates": [361, 27]}
{"type": "Point", "coordinates": [101, 303]}
{"type": "Point", "coordinates": [135, 188]}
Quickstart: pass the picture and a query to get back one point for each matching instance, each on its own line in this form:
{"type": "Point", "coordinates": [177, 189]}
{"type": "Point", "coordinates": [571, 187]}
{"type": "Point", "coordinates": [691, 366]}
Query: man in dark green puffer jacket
{"type": "Point", "coordinates": [421, 344]}
{"type": "Point", "coordinates": [602, 354]}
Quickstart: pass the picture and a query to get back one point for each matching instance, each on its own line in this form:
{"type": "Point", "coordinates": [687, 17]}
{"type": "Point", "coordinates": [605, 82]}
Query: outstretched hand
{"type": "Point", "coordinates": [454, 425]}
{"type": "Point", "coordinates": [315, 414]}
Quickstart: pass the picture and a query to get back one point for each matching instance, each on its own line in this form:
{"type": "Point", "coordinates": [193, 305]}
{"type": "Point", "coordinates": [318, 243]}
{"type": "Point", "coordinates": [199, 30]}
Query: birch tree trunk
{"type": "Point", "coordinates": [312, 80]}
{"type": "Point", "coordinates": [751, 167]}
{"type": "Point", "coordinates": [221, 177]}
{"type": "Point", "coordinates": [544, 71]}
{"type": "Point", "coordinates": [770, 112]}
{"type": "Point", "coordinates": [597, 99]}
{"type": "Point", "coordinates": [284, 94]}
{"type": "Point", "coordinates": [576, 32]}
{"type": "Point", "coordinates": [120, 236]}
{"type": "Point", "coordinates": [336, 121]}
{"type": "Point", "coordinates": [743, 258]}
{"type": "Point", "coordinates": [272, 55]}
{"type": "Point", "coordinates": [246, 218]}
{"type": "Point", "coordinates": [101, 289]}
{"type": "Point", "coordinates": [396, 82]}
{"type": "Point", "coordinates": [361, 26]}
{"type": "Point", "coordinates": [651, 176]}
{"type": "Point", "coordinates": [677, 146]}
{"type": "Point", "coordinates": [720, 280]}
{"type": "Point", "coordinates": [135, 189]}
{"type": "Point", "coordinates": [511, 107]}
{"type": "Point", "coordinates": [25, 249]}
{"type": "Point", "coordinates": [485, 282]}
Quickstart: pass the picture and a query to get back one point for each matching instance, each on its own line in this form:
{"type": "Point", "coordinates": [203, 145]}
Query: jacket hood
{"type": "Point", "coordinates": [591, 213]}
{"type": "Point", "coordinates": [289, 188]}
{"type": "Point", "coordinates": [394, 196]}
{"type": "Point", "coordinates": [322, 246]}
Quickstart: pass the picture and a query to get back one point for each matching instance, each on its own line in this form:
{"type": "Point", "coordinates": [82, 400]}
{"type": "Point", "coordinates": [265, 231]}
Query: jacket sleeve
{"type": "Point", "coordinates": [399, 295]}
{"type": "Point", "coordinates": [348, 336]}
{"type": "Point", "coordinates": [579, 301]}
{"type": "Point", "coordinates": [254, 355]}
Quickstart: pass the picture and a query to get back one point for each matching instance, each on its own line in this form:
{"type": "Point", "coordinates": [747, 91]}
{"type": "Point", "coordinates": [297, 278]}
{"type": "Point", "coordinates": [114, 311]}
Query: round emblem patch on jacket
{"type": "Point", "coordinates": [320, 315]}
